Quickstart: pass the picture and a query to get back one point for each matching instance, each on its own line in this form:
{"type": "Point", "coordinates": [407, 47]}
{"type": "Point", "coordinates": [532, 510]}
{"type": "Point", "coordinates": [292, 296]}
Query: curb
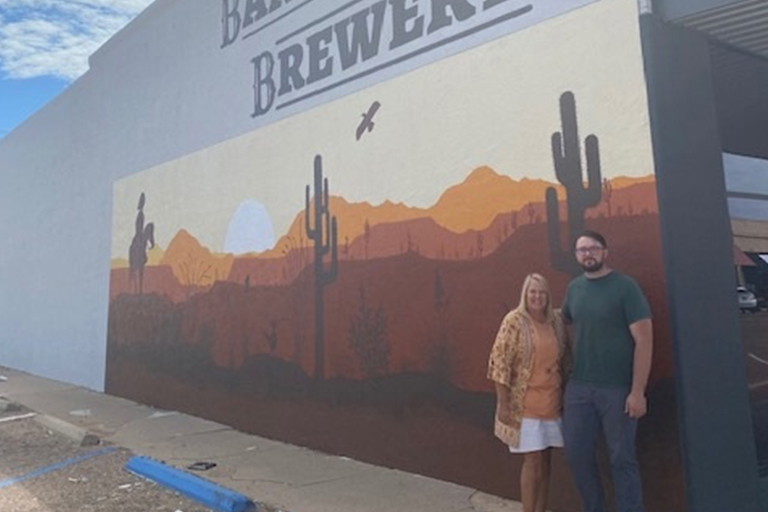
{"type": "Point", "coordinates": [208, 493]}
{"type": "Point", "coordinates": [77, 434]}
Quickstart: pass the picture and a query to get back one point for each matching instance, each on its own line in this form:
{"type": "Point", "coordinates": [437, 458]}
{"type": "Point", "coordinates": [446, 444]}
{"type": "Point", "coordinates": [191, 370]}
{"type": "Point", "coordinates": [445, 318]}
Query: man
{"type": "Point", "coordinates": [611, 323]}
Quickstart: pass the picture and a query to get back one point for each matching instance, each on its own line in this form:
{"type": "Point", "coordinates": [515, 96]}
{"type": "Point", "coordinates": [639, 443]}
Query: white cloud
{"type": "Point", "coordinates": [56, 37]}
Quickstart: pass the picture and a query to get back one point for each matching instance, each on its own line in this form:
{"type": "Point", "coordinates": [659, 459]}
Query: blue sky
{"type": "Point", "coordinates": [44, 47]}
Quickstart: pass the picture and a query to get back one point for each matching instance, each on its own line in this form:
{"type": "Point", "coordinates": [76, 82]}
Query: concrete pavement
{"type": "Point", "coordinates": [287, 477]}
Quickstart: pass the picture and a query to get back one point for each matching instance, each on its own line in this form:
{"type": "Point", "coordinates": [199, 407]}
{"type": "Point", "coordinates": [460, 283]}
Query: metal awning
{"type": "Point", "coordinates": [740, 25]}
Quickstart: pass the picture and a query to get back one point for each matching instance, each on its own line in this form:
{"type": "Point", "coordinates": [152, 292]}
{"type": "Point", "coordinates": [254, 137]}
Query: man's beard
{"type": "Point", "coordinates": [593, 266]}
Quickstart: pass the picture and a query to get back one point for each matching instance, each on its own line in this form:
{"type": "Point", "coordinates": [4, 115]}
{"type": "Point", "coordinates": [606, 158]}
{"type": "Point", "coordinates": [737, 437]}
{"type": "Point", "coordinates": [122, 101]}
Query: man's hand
{"type": "Point", "coordinates": [636, 405]}
{"type": "Point", "coordinates": [642, 333]}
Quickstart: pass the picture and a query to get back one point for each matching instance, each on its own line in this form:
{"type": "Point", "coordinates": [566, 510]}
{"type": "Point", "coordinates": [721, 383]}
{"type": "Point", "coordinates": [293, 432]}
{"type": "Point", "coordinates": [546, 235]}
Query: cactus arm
{"type": "Point", "coordinates": [570, 128]}
{"type": "Point", "coordinates": [594, 181]}
{"type": "Point", "coordinates": [324, 242]}
{"type": "Point", "coordinates": [325, 203]}
{"type": "Point", "coordinates": [330, 275]}
{"type": "Point", "coordinates": [557, 157]}
{"type": "Point", "coordinates": [311, 233]}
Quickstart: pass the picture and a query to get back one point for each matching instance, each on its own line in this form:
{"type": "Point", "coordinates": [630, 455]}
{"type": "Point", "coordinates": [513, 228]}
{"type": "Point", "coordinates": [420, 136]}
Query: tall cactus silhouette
{"type": "Point", "coordinates": [566, 153]}
{"type": "Point", "coordinates": [324, 238]}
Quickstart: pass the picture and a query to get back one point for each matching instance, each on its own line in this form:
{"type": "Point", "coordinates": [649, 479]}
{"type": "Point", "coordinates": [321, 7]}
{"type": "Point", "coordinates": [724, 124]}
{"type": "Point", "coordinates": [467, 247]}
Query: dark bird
{"type": "Point", "coordinates": [367, 122]}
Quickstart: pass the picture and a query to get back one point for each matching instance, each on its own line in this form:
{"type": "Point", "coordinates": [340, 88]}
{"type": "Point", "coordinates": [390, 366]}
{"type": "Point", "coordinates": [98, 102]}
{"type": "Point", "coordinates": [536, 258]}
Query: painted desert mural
{"type": "Point", "coordinates": [374, 321]}
{"type": "Point", "coordinates": [342, 291]}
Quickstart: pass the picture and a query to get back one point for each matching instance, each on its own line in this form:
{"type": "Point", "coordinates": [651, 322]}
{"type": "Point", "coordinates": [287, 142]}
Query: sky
{"type": "Point", "coordinates": [750, 175]}
{"type": "Point", "coordinates": [44, 47]}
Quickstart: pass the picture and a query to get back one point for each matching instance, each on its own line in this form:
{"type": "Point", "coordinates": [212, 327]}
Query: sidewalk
{"type": "Point", "coordinates": [292, 478]}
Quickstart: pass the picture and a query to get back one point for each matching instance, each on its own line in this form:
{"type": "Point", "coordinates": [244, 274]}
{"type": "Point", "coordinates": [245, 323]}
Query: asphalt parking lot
{"type": "Point", "coordinates": [43, 471]}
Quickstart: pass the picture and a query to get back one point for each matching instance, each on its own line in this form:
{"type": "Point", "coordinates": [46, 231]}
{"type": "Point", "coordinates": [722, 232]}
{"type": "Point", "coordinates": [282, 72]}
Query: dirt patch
{"type": "Point", "coordinates": [98, 483]}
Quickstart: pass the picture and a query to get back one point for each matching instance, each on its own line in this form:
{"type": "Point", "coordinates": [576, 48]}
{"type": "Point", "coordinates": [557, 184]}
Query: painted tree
{"type": "Point", "coordinates": [270, 336]}
{"type": "Point", "coordinates": [438, 355]}
{"type": "Point", "coordinates": [368, 338]}
{"type": "Point", "coordinates": [194, 271]}
{"type": "Point", "coordinates": [566, 154]}
{"type": "Point", "coordinates": [480, 245]}
{"type": "Point", "coordinates": [367, 236]}
{"type": "Point", "coordinates": [321, 229]}
{"type": "Point", "coordinates": [531, 211]}
{"type": "Point", "coordinates": [607, 192]}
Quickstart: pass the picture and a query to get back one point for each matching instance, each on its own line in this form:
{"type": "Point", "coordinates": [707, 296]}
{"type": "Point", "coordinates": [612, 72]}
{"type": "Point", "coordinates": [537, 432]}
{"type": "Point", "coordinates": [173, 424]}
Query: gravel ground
{"type": "Point", "coordinates": [96, 484]}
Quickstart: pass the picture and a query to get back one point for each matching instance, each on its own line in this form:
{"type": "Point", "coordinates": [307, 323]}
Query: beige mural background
{"type": "Point", "coordinates": [486, 106]}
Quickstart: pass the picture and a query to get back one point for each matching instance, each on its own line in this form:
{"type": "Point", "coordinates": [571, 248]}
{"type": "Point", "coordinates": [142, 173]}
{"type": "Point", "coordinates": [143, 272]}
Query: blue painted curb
{"type": "Point", "coordinates": [208, 493]}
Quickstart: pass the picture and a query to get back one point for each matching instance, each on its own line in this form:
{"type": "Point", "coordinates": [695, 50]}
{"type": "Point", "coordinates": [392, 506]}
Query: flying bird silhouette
{"type": "Point", "coordinates": [367, 122]}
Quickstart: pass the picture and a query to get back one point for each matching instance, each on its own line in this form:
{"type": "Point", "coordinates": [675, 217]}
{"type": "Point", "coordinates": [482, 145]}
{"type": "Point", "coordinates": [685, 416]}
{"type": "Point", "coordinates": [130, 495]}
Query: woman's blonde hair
{"type": "Point", "coordinates": [549, 311]}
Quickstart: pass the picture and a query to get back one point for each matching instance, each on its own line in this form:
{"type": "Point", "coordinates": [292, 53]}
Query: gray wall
{"type": "Point", "coordinates": [161, 88]}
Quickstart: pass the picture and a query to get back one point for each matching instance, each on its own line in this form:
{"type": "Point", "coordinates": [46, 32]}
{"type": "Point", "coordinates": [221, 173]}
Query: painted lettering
{"type": "Point", "coordinates": [348, 42]}
{"type": "Point", "coordinates": [492, 3]}
{"type": "Point", "coordinates": [254, 11]}
{"type": "Point", "coordinates": [320, 63]}
{"type": "Point", "coordinates": [365, 42]}
{"type": "Point", "coordinates": [290, 69]}
{"type": "Point", "coordinates": [461, 9]}
{"type": "Point", "coordinates": [263, 84]}
{"type": "Point", "coordinates": [400, 17]}
{"type": "Point", "coordinates": [230, 20]}
{"type": "Point", "coordinates": [276, 4]}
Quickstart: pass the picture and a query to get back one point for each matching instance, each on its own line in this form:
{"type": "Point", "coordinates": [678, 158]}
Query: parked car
{"type": "Point", "coordinates": [747, 300]}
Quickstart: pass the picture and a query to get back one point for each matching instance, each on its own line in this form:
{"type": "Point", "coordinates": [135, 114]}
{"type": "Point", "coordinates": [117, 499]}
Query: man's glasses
{"type": "Point", "coordinates": [592, 249]}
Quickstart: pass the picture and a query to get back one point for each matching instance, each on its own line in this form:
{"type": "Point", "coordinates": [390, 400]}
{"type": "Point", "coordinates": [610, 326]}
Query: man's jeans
{"type": "Point", "coordinates": [587, 410]}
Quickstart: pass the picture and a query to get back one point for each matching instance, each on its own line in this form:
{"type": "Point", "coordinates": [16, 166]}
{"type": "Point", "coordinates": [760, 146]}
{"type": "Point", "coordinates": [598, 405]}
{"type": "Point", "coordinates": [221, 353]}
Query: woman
{"type": "Point", "coordinates": [527, 365]}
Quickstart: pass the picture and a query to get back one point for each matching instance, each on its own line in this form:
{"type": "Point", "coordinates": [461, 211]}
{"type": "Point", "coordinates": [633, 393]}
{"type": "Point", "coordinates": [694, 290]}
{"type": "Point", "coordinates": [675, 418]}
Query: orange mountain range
{"type": "Point", "coordinates": [462, 211]}
{"type": "Point", "coordinates": [471, 205]}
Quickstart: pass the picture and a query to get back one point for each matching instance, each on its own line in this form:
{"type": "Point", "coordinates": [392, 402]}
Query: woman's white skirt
{"type": "Point", "coordinates": [537, 435]}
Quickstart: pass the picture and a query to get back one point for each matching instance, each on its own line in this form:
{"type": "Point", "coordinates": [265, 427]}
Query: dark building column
{"type": "Point", "coordinates": [717, 440]}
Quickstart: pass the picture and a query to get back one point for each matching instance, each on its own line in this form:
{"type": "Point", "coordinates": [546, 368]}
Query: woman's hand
{"type": "Point", "coordinates": [503, 409]}
{"type": "Point", "coordinates": [504, 414]}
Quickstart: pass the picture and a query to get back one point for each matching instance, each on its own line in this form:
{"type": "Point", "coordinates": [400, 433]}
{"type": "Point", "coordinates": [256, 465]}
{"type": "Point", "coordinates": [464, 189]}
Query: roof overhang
{"type": "Point", "coordinates": [737, 31]}
{"type": "Point", "coordinates": [740, 25]}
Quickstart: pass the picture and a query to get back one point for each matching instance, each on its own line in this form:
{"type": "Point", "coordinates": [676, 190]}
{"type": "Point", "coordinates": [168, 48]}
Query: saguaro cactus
{"type": "Point", "coordinates": [566, 154]}
{"type": "Point", "coordinates": [324, 236]}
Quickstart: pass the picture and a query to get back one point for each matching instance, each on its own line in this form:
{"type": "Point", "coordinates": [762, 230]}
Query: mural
{"type": "Point", "coordinates": [356, 295]}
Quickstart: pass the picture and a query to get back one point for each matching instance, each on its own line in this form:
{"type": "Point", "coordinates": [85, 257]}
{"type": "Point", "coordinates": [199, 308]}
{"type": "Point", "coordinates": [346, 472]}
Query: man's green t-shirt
{"type": "Point", "coordinates": [600, 312]}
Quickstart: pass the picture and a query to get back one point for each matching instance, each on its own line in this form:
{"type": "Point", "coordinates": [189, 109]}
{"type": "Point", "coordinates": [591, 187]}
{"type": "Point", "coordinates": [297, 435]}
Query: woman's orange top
{"type": "Point", "coordinates": [543, 398]}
